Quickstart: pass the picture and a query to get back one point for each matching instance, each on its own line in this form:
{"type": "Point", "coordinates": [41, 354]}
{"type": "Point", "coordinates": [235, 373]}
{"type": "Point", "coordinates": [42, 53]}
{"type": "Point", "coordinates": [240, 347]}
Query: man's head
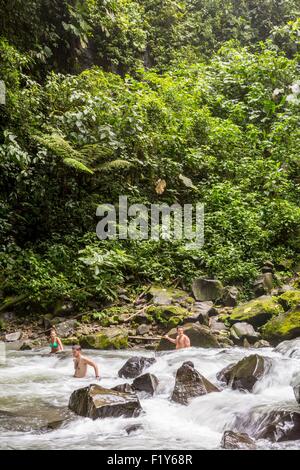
{"type": "Point", "coordinates": [179, 330]}
{"type": "Point", "coordinates": [76, 350]}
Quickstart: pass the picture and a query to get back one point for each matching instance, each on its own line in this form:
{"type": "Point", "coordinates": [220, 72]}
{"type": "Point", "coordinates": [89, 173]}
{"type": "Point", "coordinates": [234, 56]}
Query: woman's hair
{"type": "Point", "coordinates": [76, 347]}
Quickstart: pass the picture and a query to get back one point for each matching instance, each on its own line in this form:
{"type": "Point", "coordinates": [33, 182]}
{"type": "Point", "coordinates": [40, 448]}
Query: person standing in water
{"type": "Point", "coordinates": [55, 344]}
{"type": "Point", "coordinates": [182, 341]}
{"type": "Point", "coordinates": [81, 363]}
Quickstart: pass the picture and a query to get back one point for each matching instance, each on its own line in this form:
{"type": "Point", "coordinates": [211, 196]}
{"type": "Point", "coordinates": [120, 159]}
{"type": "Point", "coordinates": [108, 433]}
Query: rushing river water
{"type": "Point", "coordinates": [34, 383]}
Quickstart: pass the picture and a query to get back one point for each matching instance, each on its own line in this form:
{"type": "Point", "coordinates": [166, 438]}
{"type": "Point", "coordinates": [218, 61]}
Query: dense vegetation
{"type": "Point", "coordinates": [107, 97]}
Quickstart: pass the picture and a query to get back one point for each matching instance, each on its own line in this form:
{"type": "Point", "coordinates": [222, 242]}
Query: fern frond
{"type": "Point", "coordinates": [63, 149]}
{"type": "Point", "coordinates": [95, 152]}
{"type": "Point", "coordinates": [115, 165]}
{"type": "Point", "coordinates": [77, 165]}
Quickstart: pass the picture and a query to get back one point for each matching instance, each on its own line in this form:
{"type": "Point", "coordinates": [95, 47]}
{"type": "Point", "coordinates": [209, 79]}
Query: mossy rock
{"type": "Point", "coordinates": [290, 299]}
{"type": "Point", "coordinates": [283, 327]}
{"type": "Point", "coordinates": [109, 338]}
{"type": "Point", "coordinates": [166, 295]}
{"type": "Point", "coordinates": [224, 318]}
{"type": "Point", "coordinates": [70, 341]}
{"type": "Point", "coordinates": [257, 311]}
{"type": "Point", "coordinates": [164, 314]}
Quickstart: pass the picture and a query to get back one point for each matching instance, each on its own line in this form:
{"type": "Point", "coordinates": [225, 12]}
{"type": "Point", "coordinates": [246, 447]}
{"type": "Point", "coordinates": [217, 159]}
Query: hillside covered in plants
{"type": "Point", "coordinates": [110, 97]}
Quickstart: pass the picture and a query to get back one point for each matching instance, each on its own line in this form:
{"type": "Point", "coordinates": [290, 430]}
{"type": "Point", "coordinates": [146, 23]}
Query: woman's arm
{"type": "Point", "coordinates": [61, 348]}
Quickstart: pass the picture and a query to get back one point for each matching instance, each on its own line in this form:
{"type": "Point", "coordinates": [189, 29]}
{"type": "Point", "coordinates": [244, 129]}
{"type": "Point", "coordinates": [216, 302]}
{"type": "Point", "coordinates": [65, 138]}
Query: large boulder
{"type": "Point", "coordinates": [256, 312]}
{"type": "Point", "coordinates": [95, 402]}
{"type": "Point", "coordinates": [159, 295]}
{"type": "Point", "coordinates": [244, 374]}
{"type": "Point", "coordinates": [143, 329]}
{"type": "Point", "coordinates": [146, 383]}
{"type": "Point", "coordinates": [200, 313]}
{"type": "Point", "coordinates": [168, 315]}
{"type": "Point", "coordinates": [290, 299]}
{"type": "Point", "coordinates": [274, 422]}
{"type": "Point", "coordinates": [200, 337]}
{"type": "Point", "coordinates": [108, 338]}
{"type": "Point", "coordinates": [66, 328]}
{"type": "Point", "coordinates": [135, 365]}
{"type": "Point", "coordinates": [124, 388]}
{"type": "Point", "coordinates": [230, 296]}
{"type": "Point", "coordinates": [283, 327]}
{"type": "Point", "coordinates": [263, 284]}
{"type": "Point", "coordinates": [242, 330]}
{"type": "Point", "coordinates": [33, 417]}
{"type": "Point", "coordinates": [190, 384]}
{"type": "Point", "coordinates": [207, 289]}
{"type": "Point", "coordinates": [234, 440]}
{"type": "Point", "coordinates": [10, 337]}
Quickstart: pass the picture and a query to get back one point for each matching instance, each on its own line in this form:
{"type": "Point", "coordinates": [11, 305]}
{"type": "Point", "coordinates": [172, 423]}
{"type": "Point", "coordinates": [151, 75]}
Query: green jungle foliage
{"type": "Point", "coordinates": [106, 98]}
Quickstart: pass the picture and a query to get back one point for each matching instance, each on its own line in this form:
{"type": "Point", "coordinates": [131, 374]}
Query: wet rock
{"type": "Point", "coordinates": [233, 440]}
{"type": "Point", "coordinates": [133, 428]}
{"type": "Point", "coordinates": [27, 346]}
{"type": "Point", "coordinates": [289, 348]}
{"type": "Point", "coordinates": [244, 374]}
{"type": "Point", "coordinates": [284, 326]}
{"type": "Point", "coordinates": [143, 329]}
{"type": "Point", "coordinates": [146, 383]}
{"type": "Point", "coordinates": [256, 312]}
{"type": "Point", "coordinates": [66, 328]}
{"type": "Point", "coordinates": [190, 384]}
{"type": "Point", "coordinates": [243, 330]}
{"type": "Point", "coordinates": [295, 383]}
{"type": "Point", "coordinates": [207, 289]}
{"type": "Point", "coordinates": [124, 388]}
{"type": "Point", "coordinates": [230, 296]}
{"type": "Point", "coordinates": [41, 417]}
{"type": "Point", "coordinates": [277, 423]}
{"type": "Point", "coordinates": [296, 389]}
{"type": "Point", "coordinates": [95, 402]}
{"type": "Point", "coordinates": [200, 337]}
{"type": "Point", "coordinates": [10, 337]}
{"type": "Point", "coordinates": [108, 338]}
{"type": "Point", "coordinates": [262, 344]}
{"type": "Point", "coordinates": [135, 365]}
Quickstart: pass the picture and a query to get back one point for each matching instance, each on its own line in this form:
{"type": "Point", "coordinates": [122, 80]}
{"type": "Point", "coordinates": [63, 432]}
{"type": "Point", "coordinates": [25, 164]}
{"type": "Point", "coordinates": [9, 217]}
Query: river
{"type": "Point", "coordinates": [32, 383]}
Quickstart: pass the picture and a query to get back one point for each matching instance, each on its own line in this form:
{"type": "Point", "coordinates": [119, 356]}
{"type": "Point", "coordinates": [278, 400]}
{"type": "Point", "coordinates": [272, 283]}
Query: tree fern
{"type": "Point", "coordinates": [62, 148]}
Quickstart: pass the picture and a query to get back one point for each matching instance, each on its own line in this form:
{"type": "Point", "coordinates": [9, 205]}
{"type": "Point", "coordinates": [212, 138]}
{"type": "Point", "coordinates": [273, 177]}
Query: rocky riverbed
{"type": "Point", "coordinates": [36, 389]}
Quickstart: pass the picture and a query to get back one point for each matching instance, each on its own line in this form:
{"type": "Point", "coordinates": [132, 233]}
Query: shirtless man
{"type": "Point", "coordinates": [81, 363]}
{"type": "Point", "coordinates": [181, 341]}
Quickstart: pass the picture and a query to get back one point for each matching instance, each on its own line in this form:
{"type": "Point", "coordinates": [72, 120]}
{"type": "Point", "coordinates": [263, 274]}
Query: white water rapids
{"type": "Point", "coordinates": [33, 380]}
